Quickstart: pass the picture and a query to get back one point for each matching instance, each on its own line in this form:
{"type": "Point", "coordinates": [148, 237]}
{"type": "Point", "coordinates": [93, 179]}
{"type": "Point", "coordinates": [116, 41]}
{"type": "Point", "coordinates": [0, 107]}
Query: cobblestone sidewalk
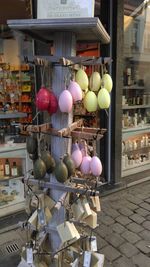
{"type": "Point", "coordinates": [123, 235]}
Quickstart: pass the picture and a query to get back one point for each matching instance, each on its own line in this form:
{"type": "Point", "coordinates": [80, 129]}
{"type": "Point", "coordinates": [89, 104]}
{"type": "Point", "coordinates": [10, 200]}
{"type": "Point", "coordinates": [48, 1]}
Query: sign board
{"type": "Point", "coordinates": [47, 9]}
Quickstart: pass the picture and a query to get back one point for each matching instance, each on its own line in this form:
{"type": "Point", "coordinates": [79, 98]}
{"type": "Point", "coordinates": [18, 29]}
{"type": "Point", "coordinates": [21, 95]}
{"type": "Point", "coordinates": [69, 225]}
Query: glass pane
{"type": "Point", "coordinates": [136, 90]}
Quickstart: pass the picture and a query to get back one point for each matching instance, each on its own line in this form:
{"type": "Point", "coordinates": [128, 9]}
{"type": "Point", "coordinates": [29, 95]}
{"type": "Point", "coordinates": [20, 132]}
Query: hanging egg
{"type": "Point", "coordinates": [76, 156]}
{"type": "Point", "coordinates": [42, 99]}
{"type": "Point", "coordinates": [82, 79]}
{"type": "Point", "coordinates": [107, 82]}
{"type": "Point", "coordinates": [95, 81]}
{"type": "Point", "coordinates": [75, 90]}
{"type": "Point", "coordinates": [70, 164]}
{"type": "Point", "coordinates": [65, 101]}
{"type": "Point", "coordinates": [90, 101]}
{"type": "Point", "coordinates": [61, 172]}
{"type": "Point", "coordinates": [53, 103]}
{"type": "Point", "coordinates": [96, 166]}
{"type": "Point", "coordinates": [103, 98]}
{"type": "Point", "coordinates": [85, 165]}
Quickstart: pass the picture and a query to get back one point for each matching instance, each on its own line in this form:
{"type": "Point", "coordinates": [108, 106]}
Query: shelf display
{"type": "Point", "coordinates": [135, 129]}
{"type": "Point", "coordinates": [58, 215]}
{"type": "Point", "coordinates": [12, 170]}
{"type": "Point", "coordinates": [16, 91]}
{"type": "Point", "coordinates": [136, 93]}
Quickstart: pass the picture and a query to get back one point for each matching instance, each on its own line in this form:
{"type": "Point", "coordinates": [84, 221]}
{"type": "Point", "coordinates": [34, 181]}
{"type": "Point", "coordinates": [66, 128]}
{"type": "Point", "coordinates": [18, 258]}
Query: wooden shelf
{"type": "Point", "coordinates": [13, 115]}
{"type": "Point", "coordinates": [135, 107]}
{"type": "Point", "coordinates": [134, 87]}
{"type": "Point", "coordinates": [136, 150]}
{"type": "Point", "coordinates": [136, 168]}
{"type": "Point", "coordinates": [85, 29]}
{"type": "Point", "coordinates": [128, 132]}
{"type": "Point", "coordinates": [5, 179]}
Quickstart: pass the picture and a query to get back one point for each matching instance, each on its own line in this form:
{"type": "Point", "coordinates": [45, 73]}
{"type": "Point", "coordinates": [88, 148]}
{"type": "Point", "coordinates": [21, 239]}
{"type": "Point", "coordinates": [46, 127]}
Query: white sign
{"type": "Point", "coordinates": [65, 9]}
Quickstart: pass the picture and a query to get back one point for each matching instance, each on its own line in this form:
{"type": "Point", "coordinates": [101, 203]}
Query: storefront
{"type": "Point", "coordinates": [124, 151]}
{"type": "Point", "coordinates": [17, 91]}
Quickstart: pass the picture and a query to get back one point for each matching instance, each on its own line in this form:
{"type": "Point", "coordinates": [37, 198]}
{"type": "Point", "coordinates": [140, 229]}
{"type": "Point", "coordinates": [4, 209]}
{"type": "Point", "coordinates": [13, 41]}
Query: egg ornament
{"type": "Point", "coordinates": [82, 79]}
{"type": "Point", "coordinates": [95, 81]}
{"type": "Point", "coordinates": [42, 99]}
{"type": "Point", "coordinates": [90, 101]}
{"type": "Point", "coordinates": [103, 98]}
{"type": "Point", "coordinates": [96, 166]}
{"type": "Point", "coordinates": [65, 101]}
{"type": "Point", "coordinates": [107, 82]}
{"type": "Point", "coordinates": [53, 103]}
{"type": "Point", "coordinates": [75, 90]}
{"type": "Point", "coordinates": [76, 156]}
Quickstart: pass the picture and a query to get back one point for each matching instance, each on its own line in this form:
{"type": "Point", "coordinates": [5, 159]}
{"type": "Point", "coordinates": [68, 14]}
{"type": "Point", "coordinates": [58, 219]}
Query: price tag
{"type": "Point", "coordinates": [41, 217]}
{"type": "Point", "coordinates": [93, 243]}
{"type": "Point", "coordinates": [87, 259]}
{"type": "Point", "coordinates": [29, 254]}
{"type": "Point", "coordinates": [75, 263]}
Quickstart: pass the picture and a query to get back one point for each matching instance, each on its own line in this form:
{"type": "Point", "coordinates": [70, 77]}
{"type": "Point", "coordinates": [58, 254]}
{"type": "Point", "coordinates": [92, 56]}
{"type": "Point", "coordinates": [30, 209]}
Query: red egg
{"type": "Point", "coordinates": [42, 99]}
{"type": "Point", "coordinates": [53, 103]}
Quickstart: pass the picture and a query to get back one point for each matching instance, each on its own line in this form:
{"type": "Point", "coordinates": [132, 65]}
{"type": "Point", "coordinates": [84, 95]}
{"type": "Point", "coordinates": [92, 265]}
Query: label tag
{"type": "Point", "coordinates": [29, 254]}
{"type": "Point", "coordinates": [93, 243]}
{"type": "Point", "coordinates": [41, 217]}
{"type": "Point", "coordinates": [87, 259]}
{"type": "Point", "coordinates": [75, 263]}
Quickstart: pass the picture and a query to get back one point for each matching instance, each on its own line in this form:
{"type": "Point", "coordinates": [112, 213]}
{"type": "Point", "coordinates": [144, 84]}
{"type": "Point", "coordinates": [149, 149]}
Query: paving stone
{"type": "Point", "coordinates": [123, 262]}
{"type": "Point", "coordinates": [134, 199]}
{"type": "Point", "coordinates": [125, 211]}
{"type": "Point", "coordinates": [141, 260]}
{"type": "Point", "coordinates": [137, 218]}
{"type": "Point", "coordinates": [110, 253]}
{"type": "Point", "coordinates": [112, 212]}
{"type": "Point", "coordinates": [114, 239]}
{"type": "Point", "coordinates": [142, 196]}
{"type": "Point", "coordinates": [143, 246]}
{"type": "Point", "coordinates": [100, 242]}
{"type": "Point", "coordinates": [118, 228]}
{"type": "Point", "coordinates": [147, 200]}
{"type": "Point", "coordinates": [118, 204]}
{"type": "Point", "coordinates": [131, 237]}
{"type": "Point", "coordinates": [131, 206]}
{"type": "Point", "coordinates": [103, 230]}
{"type": "Point", "coordinates": [123, 220]}
{"type": "Point", "coordinates": [106, 220]}
{"type": "Point", "coordinates": [128, 249]}
{"type": "Point", "coordinates": [108, 264]}
{"type": "Point", "coordinates": [134, 227]}
{"type": "Point", "coordinates": [145, 206]}
{"type": "Point", "coordinates": [142, 212]}
{"type": "Point", "coordinates": [148, 218]}
{"type": "Point", "coordinates": [146, 225]}
{"type": "Point", "coordinates": [145, 235]}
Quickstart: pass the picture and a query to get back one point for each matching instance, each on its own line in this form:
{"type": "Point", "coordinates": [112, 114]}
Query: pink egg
{"type": "Point", "coordinates": [75, 90]}
{"type": "Point", "coordinates": [96, 166]}
{"type": "Point", "coordinates": [85, 165]}
{"type": "Point", "coordinates": [65, 101]}
{"type": "Point", "coordinates": [77, 157]}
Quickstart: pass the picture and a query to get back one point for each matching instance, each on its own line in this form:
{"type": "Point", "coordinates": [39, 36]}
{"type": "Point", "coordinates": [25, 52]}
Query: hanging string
{"type": "Point", "coordinates": [42, 74]}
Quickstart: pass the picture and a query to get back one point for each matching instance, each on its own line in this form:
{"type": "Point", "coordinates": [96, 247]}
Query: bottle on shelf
{"type": "Point", "coordinates": [1, 170]}
{"type": "Point", "coordinates": [14, 170]}
{"type": "Point", "coordinates": [7, 168]}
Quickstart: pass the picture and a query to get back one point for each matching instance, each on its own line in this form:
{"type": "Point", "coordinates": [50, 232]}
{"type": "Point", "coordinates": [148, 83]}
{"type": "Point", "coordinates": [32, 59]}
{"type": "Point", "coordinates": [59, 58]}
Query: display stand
{"type": "Point", "coordinates": [64, 34]}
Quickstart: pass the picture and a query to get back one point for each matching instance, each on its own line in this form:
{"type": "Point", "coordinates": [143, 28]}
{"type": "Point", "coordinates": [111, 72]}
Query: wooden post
{"type": "Point", "coordinates": [64, 45]}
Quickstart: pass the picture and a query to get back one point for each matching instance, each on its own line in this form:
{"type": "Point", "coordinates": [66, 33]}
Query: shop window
{"type": "Point", "coordinates": [136, 89]}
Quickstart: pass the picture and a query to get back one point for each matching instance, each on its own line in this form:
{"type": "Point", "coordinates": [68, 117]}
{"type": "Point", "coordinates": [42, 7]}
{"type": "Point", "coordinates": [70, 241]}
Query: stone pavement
{"type": "Point", "coordinates": [123, 235]}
